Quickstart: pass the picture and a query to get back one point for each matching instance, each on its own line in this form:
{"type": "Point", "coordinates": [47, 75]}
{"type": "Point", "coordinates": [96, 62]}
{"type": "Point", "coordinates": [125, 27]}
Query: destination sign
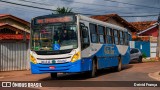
{"type": "Point", "coordinates": [55, 20]}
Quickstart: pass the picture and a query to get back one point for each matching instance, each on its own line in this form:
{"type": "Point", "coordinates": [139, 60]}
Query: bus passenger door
{"type": "Point", "coordinates": [85, 43]}
{"type": "Point", "coordinates": [85, 51]}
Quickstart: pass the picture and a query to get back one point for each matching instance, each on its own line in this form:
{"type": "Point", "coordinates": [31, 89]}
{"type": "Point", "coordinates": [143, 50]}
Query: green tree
{"type": "Point", "coordinates": [63, 10]}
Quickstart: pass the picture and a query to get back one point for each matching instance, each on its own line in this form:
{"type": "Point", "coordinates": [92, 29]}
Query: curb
{"type": "Point", "coordinates": [155, 75]}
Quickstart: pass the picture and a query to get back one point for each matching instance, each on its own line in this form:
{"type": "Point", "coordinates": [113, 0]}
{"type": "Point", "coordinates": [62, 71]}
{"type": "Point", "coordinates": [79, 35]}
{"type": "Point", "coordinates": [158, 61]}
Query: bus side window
{"type": "Point", "coordinates": [112, 36]}
{"type": "Point", "coordinates": [121, 37]}
{"type": "Point", "coordinates": [129, 38]}
{"type": "Point", "coordinates": [93, 33]}
{"type": "Point", "coordinates": [101, 34]}
{"type": "Point", "coordinates": [84, 36]}
{"type": "Point", "coordinates": [116, 36]}
{"type": "Point", "coordinates": [108, 35]}
{"type": "Point", "coordinates": [126, 38]}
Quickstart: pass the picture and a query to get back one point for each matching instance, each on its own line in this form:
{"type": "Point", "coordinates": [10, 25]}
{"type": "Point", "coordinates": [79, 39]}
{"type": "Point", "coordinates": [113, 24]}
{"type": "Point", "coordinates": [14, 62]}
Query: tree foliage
{"type": "Point", "coordinates": [63, 10]}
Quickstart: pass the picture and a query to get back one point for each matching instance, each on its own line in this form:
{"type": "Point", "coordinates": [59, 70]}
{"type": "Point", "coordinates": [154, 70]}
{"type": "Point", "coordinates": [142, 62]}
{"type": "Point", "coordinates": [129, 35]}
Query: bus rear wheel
{"type": "Point", "coordinates": [53, 75]}
{"type": "Point", "coordinates": [94, 69]}
{"type": "Point", "coordinates": [119, 67]}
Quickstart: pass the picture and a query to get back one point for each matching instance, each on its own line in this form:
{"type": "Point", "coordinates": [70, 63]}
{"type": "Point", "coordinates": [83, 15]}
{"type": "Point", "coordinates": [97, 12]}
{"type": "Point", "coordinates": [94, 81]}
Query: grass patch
{"type": "Point", "coordinates": [144, 55]}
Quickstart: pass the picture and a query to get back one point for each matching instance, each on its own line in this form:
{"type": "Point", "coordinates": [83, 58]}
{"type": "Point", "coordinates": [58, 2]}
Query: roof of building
{"type": "Point", "coordinates": [155, 25]}
{"type": "Point", "coordinates": [2, 24]}
{"type": "Point", "coordinates": [143, 25]}
{"type": "Point", "coordinates": [106, 17]}
{"type": "Point", "coordinates": [3, 16]}
{"type": "Point", "coordinates": [6, 25]}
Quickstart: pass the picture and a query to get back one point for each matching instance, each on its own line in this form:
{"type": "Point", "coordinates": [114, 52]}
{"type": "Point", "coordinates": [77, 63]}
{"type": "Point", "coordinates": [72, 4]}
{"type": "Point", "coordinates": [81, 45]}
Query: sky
{"type": "Point", "coordinates": [124, 8]}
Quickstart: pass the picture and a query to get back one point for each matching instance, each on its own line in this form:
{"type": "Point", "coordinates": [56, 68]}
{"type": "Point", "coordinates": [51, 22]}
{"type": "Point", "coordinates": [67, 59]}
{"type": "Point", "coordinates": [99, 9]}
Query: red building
{"type": "Point", "coordinates": [148, 30]}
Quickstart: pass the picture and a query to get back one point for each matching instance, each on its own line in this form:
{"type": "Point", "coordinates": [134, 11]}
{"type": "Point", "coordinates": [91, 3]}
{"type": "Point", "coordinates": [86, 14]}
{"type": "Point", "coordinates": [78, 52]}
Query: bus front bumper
{"type": "Point", "coordinates": [51, 68]}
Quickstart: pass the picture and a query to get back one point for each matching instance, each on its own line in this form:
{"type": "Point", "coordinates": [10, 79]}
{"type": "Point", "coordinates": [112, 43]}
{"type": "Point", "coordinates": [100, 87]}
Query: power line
{"type": "Point", "coordinates": [22, 9]}
{"type": "Point", "coordinates": [52, 5]}
{"type": "Point", "coordinates": [27, 5]}
{"type": "Point", "coordinates": [113, 6]}
{"type": "Point", "coordinates": [96, 10]}
{"type": "Point", "coordinates": [30, 6]}
{"type": "Point", "coordinates": [76, 7]}
{"type": "Point", "coordinates": [73, 2]}
{"type": "Point", "coordinates": [55, 10]}
{"type": "Point", "coordinates": [133, 4]}
{"type": "Point", "coordinates": [86, 9]}
{"type": "Point", "coordinates": [91, 4]}
{"type": "Point", "coordinates": [36, 2]}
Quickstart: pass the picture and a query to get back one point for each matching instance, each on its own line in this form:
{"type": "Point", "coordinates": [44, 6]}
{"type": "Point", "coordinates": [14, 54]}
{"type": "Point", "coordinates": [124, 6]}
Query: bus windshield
{"type": "Point", "coordinates": [60, 36]}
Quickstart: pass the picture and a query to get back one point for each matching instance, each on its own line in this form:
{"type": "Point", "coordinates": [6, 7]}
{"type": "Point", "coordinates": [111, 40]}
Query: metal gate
{"type": "Point", "coordinates": [143, 46]}
{"type": "Point", "coordinates": [14, 56]}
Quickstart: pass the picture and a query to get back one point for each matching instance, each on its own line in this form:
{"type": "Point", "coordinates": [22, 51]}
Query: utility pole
{"type": "Point", "coordinates": [158, 39]}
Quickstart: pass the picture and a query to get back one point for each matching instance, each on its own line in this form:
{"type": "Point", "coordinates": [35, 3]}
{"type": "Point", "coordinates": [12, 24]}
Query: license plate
{"type": "Point", "coordinates": [52, 61]}
{"type": "Point", "coordinates": [60, 61]}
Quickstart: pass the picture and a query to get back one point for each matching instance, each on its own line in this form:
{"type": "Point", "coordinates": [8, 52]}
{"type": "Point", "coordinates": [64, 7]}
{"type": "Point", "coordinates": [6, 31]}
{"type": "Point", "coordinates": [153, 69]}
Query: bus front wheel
{"type": "Point", "coordinates": [53, 75]}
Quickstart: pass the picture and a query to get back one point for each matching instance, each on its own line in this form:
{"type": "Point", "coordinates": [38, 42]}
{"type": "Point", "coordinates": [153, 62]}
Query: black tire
{"type": "Point", "coordinates": [94, 68]}
{"type": "Point", "coordinates": [119, 67]}
{"type": "Point", "coordinates": [53, 75]}
{"type": "Point", "coordinates": [140, 59]}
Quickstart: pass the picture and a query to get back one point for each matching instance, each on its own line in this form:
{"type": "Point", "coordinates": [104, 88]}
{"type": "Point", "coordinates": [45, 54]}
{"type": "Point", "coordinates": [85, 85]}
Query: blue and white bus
{"type": "Point", "coordinates": [76, 43]}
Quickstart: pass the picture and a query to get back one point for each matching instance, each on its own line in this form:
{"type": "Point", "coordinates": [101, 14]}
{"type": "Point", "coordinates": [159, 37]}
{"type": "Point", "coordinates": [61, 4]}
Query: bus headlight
{"type": "Point", "coordinates": [33, 60]}
{"type": "Point", "coordinates": [75, 57]}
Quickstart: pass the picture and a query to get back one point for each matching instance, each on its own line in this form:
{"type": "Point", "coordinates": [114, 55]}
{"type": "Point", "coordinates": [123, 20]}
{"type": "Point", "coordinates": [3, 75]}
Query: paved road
{"type": "Point", "coordinates": [131, 72]}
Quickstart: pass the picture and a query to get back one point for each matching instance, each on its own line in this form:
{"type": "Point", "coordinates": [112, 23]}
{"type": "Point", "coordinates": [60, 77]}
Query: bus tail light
{"type": "Point", "coordinates": [33, 60]}
{"type": "Point", "coordinates": [75, 57]}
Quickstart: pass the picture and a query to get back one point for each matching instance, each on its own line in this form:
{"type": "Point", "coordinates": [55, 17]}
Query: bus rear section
{"type": "Point", "coordinates": [107, 45]}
